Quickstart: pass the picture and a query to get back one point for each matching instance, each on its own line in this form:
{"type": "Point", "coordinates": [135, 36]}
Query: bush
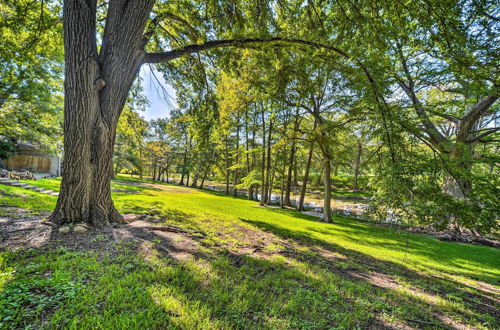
{"type": "Point", "coordinates": [7, 149]}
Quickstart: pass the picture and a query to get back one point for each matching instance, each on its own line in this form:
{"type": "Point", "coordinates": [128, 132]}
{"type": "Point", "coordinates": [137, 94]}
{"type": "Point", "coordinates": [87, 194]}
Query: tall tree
{"type": "Point", "coordinates": [98, 79]}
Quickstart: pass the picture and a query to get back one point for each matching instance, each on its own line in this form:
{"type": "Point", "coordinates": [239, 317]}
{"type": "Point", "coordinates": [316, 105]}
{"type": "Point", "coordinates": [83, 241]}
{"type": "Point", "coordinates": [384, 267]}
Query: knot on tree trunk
{"type": "Point", "coordinates": [99, 84]}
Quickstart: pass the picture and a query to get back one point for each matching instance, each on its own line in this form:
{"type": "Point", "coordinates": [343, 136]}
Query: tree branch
{"type": "Point", "coordinates": [451, 118]}
{"type": "Point", "coordinates": [482, 135]}
{"type": "Point", "coordinates": [300, 105]}
{"type": "Point", "coordinates": [473, 115]}
{"type": "Point", "coordinates": [409, 89]}
{"type": "Point", "coordinates": [212, 44]}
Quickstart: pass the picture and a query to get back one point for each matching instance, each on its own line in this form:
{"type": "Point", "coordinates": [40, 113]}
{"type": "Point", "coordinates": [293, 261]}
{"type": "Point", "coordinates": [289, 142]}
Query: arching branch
{"type": "Point", "coordinates": [212, 44]}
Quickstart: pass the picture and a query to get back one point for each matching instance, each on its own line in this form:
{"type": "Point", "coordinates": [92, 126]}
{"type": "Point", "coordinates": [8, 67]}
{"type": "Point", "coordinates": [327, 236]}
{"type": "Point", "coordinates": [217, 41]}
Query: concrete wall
{"type": "Point", "coordinates": [33, 163]}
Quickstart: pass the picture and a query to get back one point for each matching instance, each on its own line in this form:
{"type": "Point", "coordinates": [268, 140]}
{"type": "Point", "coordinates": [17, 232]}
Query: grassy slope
{"type": "Point", "coordinates": [303, 290]}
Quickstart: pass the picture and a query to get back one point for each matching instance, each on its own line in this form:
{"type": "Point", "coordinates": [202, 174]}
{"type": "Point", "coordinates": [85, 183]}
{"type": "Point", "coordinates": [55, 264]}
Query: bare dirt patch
{"type": "Point", "coordinates": [20, 229]}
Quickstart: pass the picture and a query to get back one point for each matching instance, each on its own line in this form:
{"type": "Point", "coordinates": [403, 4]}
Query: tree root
{"type": "Point", "coordinates": [173, 229]}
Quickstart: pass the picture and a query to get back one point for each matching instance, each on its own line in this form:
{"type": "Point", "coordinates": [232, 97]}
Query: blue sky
{"type": "Point", "coordinates": [161, 100]}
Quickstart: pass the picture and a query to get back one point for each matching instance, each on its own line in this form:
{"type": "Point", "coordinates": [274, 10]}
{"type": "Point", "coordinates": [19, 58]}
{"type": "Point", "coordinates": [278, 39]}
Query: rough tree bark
{"type": "Point", "coordinates": [96, 88]}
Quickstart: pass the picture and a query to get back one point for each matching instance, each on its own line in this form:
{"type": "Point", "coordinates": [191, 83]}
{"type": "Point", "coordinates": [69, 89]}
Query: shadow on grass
{"type": "Point", "coordinates": [458, 255]}
{"type": "Point", "coordinates": [141, 284]}
{"type": "Point", "coordinates": [481, 295]}
{"type": "Point", "coordinates": [132, 277]}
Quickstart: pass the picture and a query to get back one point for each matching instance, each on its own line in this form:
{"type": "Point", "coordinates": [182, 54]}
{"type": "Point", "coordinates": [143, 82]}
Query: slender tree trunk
{"type": "Point", "coordinates": [291, 162]}
{"type": "Point", "coordinates": [318, 178]}
{"type": "Point", "coordinates": [269, 185]}
{"type": "Point", "coordinates": [227, 166]}
{"type": "Point", "coordinates": [263, 188]}
{"type": "Point", "coordinates": [248, 168]}
{"type": "Point", "coordinates": [96, 88]}
{"type": "Point", "coordinates": [183, 170]}
{"type": "Point", "coordinates": [253, 140]}
{"type": "Point", "coordinates": [327, 201]}
{"type": "Point", "coordinates": [357, 164]}
{"type": "Point", "coordinates": [203, 179]}
{"type": "Point", "coordinates": [140, 162]}
{"type": "Point", "coordinates": [295, 171]}
{"type": "Point", "coordinates": [283, 177]}
{"type": "Point", "coordinates": [250, 192]}
{"type": "Point", "coordinates": [236, 173]}
{"type": "Point", "coordinates": [300, 207]}
{"type": "Point", "coordinates": [154, 169]}
{"type": "Point", "coordinates": [246, 143]}
{"type": "Point", "coordinates": [288, 188]}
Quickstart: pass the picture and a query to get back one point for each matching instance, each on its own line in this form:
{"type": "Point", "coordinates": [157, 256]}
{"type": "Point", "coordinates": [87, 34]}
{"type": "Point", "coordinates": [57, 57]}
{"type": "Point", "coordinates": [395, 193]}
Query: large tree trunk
{"type": "Point", "coordinates": [96, 88]}
{"type": "Point", "coordinates": [455, 182]}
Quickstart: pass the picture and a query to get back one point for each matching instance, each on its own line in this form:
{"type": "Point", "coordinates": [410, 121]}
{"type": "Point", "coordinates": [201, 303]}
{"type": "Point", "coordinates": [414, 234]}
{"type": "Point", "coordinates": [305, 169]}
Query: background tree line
{"type": "Point", "coordinates": [399, 99]}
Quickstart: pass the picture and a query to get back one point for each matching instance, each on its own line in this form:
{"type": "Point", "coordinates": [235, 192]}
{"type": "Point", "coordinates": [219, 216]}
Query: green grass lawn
{"type": "Point", "coordinates": [296, 272]}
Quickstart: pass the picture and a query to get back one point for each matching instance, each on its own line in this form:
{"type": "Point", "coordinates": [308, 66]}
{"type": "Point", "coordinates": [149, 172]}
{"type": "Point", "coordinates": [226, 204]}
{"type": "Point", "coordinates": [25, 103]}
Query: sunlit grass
{"type": "Point", "coordinates": [126, 290]}
{"type": "Point", "coordinates": [419, 252]}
